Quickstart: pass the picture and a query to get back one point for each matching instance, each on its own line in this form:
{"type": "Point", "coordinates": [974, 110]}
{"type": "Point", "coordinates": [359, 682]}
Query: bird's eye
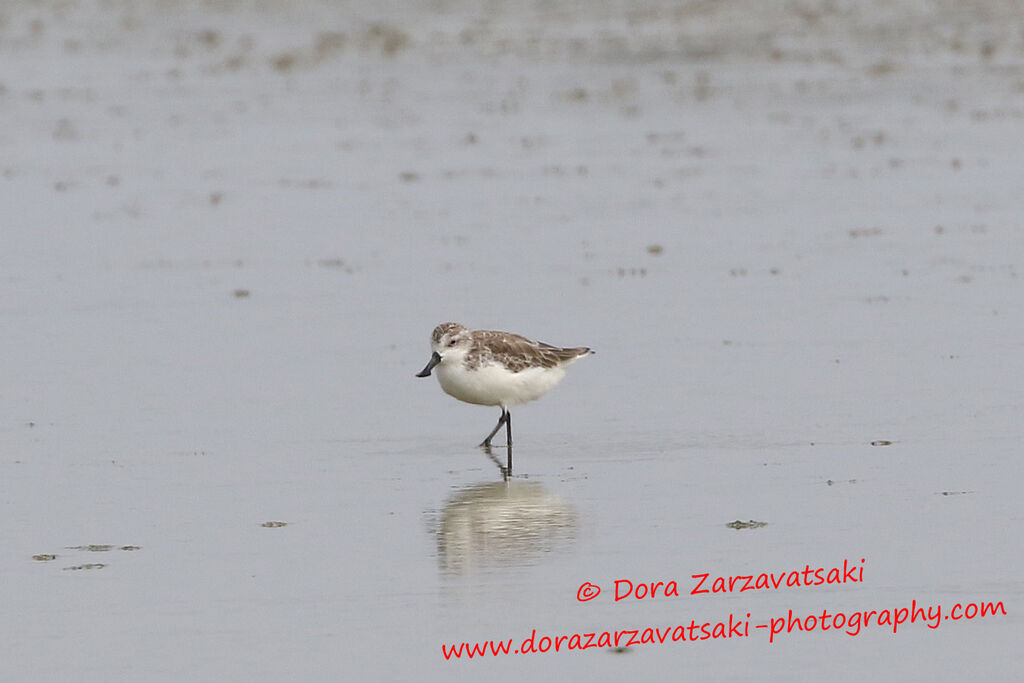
{"type": "Point", "coordinates": [451, 342]}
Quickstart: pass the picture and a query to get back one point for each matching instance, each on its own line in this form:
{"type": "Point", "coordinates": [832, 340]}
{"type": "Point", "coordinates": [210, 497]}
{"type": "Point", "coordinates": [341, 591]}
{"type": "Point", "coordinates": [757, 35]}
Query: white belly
{"type": "Point", "coordinates": [493, 385]}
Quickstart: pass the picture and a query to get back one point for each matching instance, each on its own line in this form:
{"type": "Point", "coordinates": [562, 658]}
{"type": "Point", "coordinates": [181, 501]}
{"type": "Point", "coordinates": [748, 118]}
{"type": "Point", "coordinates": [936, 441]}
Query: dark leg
{"type": "Point", "coordinates": [508, 442]}
{"type": "Point", "coordinates": [501, 420]}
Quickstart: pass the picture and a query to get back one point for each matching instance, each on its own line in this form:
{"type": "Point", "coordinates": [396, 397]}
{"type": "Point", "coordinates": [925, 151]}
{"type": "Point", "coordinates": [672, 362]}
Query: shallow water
{"type": "Point", "coordinates": [792, 239]}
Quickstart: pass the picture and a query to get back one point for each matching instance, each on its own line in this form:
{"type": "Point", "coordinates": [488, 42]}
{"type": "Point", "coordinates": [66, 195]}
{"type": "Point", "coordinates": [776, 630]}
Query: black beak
{"type": "Point", "coordinates": [435, 358]}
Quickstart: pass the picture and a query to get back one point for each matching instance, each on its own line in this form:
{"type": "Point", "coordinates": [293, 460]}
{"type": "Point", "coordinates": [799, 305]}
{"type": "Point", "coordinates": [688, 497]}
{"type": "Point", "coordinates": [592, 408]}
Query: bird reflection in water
{"type": "Point", "coordinates": [506, 469]}
{"type": "Point", "coordinates": [501, 524]}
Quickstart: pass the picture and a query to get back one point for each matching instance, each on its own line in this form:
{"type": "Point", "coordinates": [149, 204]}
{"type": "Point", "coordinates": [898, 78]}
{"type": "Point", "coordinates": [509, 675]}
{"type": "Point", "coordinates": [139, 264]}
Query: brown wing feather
{"type": "Point", "coordinates": [564, 354]}
{"type": "Point", "coordinates": [518, 353]}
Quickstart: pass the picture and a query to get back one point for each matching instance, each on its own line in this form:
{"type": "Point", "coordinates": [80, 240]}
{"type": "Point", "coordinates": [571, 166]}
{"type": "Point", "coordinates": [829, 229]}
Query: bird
{"type": "Point", "coordinates": [492, 368]}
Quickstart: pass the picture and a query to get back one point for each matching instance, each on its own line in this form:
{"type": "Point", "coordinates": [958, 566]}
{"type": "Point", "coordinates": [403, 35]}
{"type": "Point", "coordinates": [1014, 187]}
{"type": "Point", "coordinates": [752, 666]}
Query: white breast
{"type": "Point", "coordinates": [494, 385]}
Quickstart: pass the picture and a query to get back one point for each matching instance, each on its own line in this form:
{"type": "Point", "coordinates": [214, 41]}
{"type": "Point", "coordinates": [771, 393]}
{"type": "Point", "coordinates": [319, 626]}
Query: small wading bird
{"type": "Point", "coordinates": [491, 368]}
